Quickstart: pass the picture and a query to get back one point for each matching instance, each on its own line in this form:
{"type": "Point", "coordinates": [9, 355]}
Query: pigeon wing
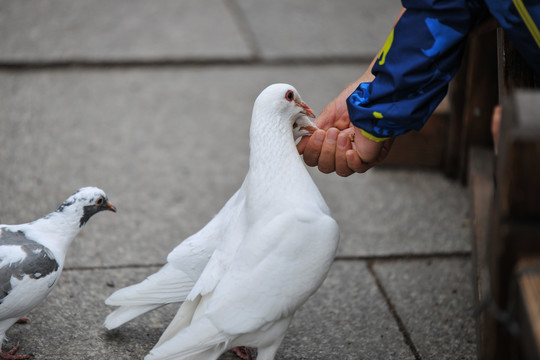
{"type": "Point", "coordinates": [24, 263]}
{"type": "Point", "coordinates": [173, 282]}
{"type": "Point", "coordinates": [193, 254]}
{"type": "Point", "coordinates": [231, 231]}
{"type": "Point", "coordinates": [277, 268]}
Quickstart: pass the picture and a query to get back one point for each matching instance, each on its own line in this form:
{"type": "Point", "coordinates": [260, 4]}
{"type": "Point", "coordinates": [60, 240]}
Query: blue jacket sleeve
{"type": "Point", "coordinates": [520, 19]}
{"type": "Point", "coordinates": [412, 72]}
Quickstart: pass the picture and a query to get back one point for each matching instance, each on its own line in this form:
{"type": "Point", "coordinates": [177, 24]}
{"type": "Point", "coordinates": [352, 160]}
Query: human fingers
{"type": "Point", "coordinates": [327, 157]}
{"type": "Point", "coordinates": [301, 146]}
{"type": "Point", "coordinates": [355, 163]}
{"type": "Point", "coordinates": [312, 148]}
{"type": "Point", "coordinates": [327, 117]}
{"type": "Point", "coordinates": [343, 144]}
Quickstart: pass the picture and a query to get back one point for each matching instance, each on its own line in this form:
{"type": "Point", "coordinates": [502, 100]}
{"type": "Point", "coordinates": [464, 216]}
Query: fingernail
{"type": "Point", "coordinates": [331, 136]}
{"type": "Point", "coordinates": [342, 141]}
{"type": "Point", "coordinates": [318, 137]}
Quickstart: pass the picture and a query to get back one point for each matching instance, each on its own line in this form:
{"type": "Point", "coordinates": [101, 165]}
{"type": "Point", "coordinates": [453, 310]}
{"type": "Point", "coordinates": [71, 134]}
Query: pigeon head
{"type": "Point", "coordinates": [85, 203]}
{"type": "Point", "coordinates": [285, 100]}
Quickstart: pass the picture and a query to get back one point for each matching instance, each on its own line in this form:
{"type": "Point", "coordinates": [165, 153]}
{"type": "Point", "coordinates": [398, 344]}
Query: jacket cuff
{"type": "Point", "coordinates": [373, 137]}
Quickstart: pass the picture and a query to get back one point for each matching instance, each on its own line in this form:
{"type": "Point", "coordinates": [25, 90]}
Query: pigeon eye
{"type": "Point", "coordinates": [100, 201]}
{"type": "Point", "coordinates": [289, 95]}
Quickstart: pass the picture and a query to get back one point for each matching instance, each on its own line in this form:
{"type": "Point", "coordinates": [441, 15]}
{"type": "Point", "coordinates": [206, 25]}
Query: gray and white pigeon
{"type": "Point", "coordinates": [32, 256]}
{"type": "Point", "coordinates": [242, 277]}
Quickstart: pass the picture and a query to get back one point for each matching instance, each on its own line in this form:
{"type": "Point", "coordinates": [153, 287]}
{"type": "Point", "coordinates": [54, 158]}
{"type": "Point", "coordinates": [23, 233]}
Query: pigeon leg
{"type": "Point", "coordinates": [244, 352]}
{"type": "Point", "coordinates": [23, 320]}
{"type": "Point", "coordinates": [10, 355]}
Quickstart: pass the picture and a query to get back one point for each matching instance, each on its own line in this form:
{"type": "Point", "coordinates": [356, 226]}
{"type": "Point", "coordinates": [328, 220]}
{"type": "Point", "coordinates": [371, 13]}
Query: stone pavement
{"type": "Point", "coordinates": [151, 101]}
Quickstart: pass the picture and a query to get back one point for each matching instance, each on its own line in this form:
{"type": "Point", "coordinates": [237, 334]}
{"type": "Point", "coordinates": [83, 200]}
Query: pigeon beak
{"type": "Point", "coordinates": [306, 110]}
{"type": "Point", "coordinates": [110, 207]}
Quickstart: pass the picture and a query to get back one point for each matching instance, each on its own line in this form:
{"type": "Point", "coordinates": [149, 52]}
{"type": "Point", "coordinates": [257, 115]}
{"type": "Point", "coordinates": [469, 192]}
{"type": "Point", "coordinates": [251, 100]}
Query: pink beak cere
{"type": "Point", "coordinates": [306, 109]}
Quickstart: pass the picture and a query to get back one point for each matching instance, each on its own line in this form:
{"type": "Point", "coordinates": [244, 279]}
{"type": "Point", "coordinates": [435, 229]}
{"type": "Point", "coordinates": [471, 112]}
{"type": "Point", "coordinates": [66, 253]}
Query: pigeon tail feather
{"type": "Point", "coordinates": [4, 326]}
{"type": "Point", "coordinates": [168, 285]}
{"type": "Point", "coordinates": [181, 320]}
{"type": "Point", "coordinates": [124, 314]}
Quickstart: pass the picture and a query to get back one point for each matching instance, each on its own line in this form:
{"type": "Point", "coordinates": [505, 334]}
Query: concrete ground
{"type": "Point", "coordinates": [151, 101]}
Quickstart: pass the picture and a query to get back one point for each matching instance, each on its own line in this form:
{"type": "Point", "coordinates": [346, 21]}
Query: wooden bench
{"type": "Point", "coordinates": [505, 193]}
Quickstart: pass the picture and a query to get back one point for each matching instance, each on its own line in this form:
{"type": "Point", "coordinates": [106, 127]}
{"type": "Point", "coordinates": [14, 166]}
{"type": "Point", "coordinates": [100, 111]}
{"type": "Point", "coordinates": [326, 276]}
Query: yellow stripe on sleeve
{"type": "Point", "coordinates": [372, 137]}
{"type": "Point", "coordinates": [527, 19]}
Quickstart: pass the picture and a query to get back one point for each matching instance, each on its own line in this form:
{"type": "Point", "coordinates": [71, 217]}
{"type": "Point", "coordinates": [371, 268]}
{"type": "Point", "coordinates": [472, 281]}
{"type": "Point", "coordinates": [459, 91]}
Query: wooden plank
{"type": "Point", "coordinates": [472, 94]}
{"type": "Point", "coordinates": [528, 275]}
{"type": "Point", "coordinates": [456, 97]}
{"type": "Point", "coordinates": [516, 219]}
{"type": "Point", "coordinates": [425, 148]}
{"type": "Point", "coordinates": [509, 241]}
{"type": "Point", "coordinates": [481, 93]}
{"type": "Point", "coordinates": [513, 71]}
{"type": "Point", "coordinates": [519, 161]}
{"type": "Point", "coordinates": [518, 189]}
{"type": "Point", "coordinates": [481, 188]}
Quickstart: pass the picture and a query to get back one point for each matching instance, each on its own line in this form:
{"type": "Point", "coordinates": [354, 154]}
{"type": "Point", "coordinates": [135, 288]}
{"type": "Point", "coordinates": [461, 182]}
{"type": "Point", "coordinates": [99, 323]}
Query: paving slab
{"type": "Point", "coordinates": [390, 211]}
{"type": "Point", "coordinates": [345, 319]}
{"type": "Point", "coordinates": [118, 30]}
{"type": "Point", "coordinates": [69, 324]}
{"type": "Point", "coordinates": [320, 28]}
{"type": "Point", "coordinates": [434, 299]}
{"type": "Point", "coordinates": [140, 31]}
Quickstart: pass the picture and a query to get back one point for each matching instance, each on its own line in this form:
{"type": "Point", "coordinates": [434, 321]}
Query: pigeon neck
{"type": "Point", "coordinates": [275, 167]}
{"type": "Point", "coordinates": [57, 231]}
{"type": "Point", "coordinates": [272, 148]}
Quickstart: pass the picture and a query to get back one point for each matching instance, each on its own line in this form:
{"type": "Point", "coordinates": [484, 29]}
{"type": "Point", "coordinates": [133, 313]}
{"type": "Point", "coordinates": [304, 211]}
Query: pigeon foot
{"type": "Point", "coordinates": [245, 353]}
{"type": "Point", "coordinates": [10, 355]}
{"type": "Point", "coordinates": [23, 320]}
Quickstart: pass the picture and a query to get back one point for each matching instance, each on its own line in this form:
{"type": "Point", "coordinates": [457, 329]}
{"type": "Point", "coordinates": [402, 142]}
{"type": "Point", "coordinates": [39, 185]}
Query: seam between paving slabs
{"type": "Point", "coordinates": [389, 257]}
{"type": "Point", "coordinates": [112, 267]}
{"type": "Point", "coordinates": [401, 325]}
{"type": "Point", "coordinates": [246, 31]}
{"type": "Point", "coordinates": [406, 256]}
{"type": "Point", "coordinates": [80, 64]}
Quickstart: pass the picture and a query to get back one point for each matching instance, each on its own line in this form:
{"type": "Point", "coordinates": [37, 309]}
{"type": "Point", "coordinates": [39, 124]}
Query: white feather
{"type": "Point", "coordinates": [274, 251]}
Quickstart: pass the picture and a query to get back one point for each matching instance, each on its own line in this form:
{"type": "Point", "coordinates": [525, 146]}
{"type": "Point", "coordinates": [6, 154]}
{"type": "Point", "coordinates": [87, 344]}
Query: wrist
{"type": "Point", "coordinates": [367, 148]}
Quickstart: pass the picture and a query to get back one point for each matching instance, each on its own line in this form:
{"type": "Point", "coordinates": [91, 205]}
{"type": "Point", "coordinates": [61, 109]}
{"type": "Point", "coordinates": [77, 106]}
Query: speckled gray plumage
{"type": "Point", "coordinates": [38, 262]}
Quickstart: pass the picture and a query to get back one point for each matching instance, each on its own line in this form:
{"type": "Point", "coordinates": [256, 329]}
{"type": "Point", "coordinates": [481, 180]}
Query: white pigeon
{"type": "Point", "coordinates": [174, 281]}
{"type": "Point", "coordinates": [32, 256]}
{"type": "Point", "coordinates": [271, 246]}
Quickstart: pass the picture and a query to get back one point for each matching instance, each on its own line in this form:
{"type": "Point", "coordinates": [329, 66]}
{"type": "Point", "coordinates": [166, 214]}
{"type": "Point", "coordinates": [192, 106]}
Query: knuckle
{"type": "Point", "coordinates": [325, 169]}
